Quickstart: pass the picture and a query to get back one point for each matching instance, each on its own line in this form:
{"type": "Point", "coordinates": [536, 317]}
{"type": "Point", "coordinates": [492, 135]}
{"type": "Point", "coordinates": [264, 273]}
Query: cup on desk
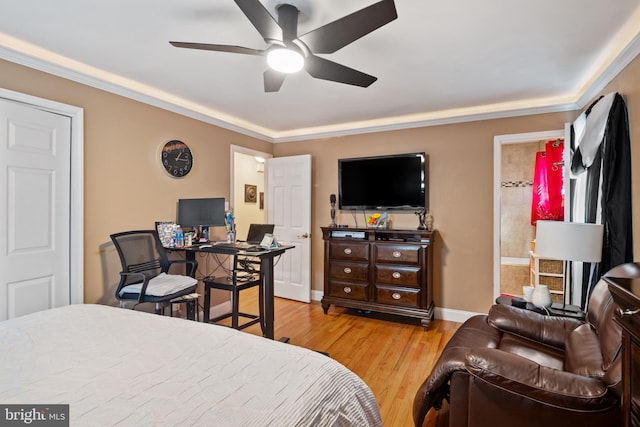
{"type": "Point", "coordinates": [527, 291]}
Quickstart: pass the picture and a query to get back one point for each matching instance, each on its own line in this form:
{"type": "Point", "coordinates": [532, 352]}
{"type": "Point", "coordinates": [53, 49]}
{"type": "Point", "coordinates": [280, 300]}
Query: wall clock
{"type": "Point", "coordinates": [176, 158]}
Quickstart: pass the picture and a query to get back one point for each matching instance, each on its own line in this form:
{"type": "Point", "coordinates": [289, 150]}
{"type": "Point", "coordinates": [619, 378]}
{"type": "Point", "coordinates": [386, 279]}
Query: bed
{"type": "Point", "coordinates": [122, 367]}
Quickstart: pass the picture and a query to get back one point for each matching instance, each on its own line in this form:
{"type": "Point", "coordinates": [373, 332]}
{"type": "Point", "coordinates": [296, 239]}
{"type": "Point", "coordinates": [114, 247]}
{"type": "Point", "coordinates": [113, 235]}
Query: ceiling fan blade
{"type": "Point", "coordinates": [339, 33]}
{"type": "Point", "coordinates": [261, 19]}
{"type": "Point", "coordinates": [273, 80]}
{"type": "Point", "coordinates": [220, 48]}
{"type": "Point", "coordinates": [324, 69]}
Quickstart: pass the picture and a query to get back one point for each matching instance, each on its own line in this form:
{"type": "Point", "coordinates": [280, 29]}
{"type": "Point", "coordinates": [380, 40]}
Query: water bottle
{"type": "Point", "coordinates": [179, 237]}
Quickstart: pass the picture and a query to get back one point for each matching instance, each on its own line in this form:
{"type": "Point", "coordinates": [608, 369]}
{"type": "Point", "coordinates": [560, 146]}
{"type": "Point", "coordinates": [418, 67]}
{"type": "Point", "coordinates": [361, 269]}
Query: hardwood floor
{"type": "Point", "coordinates": [393, 355]}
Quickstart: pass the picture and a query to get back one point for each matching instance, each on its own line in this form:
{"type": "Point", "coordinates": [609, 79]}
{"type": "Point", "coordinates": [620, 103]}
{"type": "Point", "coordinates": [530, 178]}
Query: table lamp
{"type": "Point", "coordinates": [569, 241]}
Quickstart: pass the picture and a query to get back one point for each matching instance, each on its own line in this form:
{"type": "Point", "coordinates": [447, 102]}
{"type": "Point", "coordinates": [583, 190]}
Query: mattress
{"type": "Point", "coordinates": [122, 367]}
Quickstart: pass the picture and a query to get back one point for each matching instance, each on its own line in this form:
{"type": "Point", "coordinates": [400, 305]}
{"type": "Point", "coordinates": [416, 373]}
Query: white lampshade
{"type": "Point", "coordinates": [569, 241]}
{"type": "Point", "coordinates": [285, 60]}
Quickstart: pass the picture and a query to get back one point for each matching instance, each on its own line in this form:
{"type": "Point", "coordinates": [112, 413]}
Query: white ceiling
{"type": "Point", "coordinates": [439, 62]}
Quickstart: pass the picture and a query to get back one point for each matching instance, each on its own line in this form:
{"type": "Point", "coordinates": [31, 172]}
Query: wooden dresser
{"type": "Point", "coordinates": [387, 271]}
{"type": "Point", "coordinates": [624, 285]}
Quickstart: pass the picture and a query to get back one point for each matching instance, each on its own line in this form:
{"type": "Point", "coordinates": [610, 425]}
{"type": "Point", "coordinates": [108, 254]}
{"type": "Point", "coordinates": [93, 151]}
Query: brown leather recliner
{"type": "Point", "coordinates": [515, 367]}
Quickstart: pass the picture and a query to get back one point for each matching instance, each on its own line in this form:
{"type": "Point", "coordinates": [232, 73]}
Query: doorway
{"type": "Point", "coordinates": [247, 188]}
{"type": "Point", "coordinates": [513, 163]}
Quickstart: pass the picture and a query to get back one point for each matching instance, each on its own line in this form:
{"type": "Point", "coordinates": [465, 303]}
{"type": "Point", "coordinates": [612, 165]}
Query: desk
{"type": "Point", "coordinates": [266, 267]}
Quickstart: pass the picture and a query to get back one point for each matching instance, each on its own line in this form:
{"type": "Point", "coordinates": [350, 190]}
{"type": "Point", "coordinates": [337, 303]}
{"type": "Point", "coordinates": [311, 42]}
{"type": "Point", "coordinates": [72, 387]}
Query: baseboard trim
{"type": "Point", "coordinates": [453, 315]}
{"type": "Point", "coordinates": [316, 295]}
{"type": "Point", "coordinates": [218, 310]}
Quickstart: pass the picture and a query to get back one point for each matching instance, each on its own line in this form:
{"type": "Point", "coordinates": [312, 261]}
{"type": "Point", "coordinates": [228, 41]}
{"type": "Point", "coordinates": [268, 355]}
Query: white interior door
{"type": "Point", "coordinates": [35, 179]}
{"type": "Point", "coordinates": [288, 207]}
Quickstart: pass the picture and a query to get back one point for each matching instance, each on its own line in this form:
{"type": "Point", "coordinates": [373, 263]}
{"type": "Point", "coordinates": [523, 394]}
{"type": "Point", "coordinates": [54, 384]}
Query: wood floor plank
{"type": "Point", "coordinates": [393, 355]}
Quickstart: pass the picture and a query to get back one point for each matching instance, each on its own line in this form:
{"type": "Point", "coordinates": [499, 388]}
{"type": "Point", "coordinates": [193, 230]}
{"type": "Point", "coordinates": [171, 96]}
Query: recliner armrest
{"type": "Point", "coordinates": [526, 378]}
{"type": "Point", "coordinates": [550, 330]}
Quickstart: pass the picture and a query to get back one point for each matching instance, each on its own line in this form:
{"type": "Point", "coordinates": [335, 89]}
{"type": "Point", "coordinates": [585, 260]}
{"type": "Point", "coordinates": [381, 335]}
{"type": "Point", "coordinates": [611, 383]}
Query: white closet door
{"type": "Point", "coordinates": [35, 179]}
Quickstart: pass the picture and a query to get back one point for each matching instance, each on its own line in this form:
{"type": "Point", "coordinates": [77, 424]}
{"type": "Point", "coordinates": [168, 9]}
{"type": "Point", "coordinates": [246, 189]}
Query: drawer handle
{"type": "Point", "coordinates": [396, 254]}
{"type": "Point", "coordinates": [627, 311]}
{"type": "Point", "coordinates": [347, 270]}
{"type": "Point", "coordinates": [347, 251]}
{"type": "Point", "coordinates": [396, 296]}
{"type": "Point", "coordinates": [396, 275]}
{"type": "Point", "coordinates": [347, 290]}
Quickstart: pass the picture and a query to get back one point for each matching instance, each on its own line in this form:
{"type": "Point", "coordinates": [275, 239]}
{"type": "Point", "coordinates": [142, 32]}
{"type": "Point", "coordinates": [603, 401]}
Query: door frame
{"type": "Point", "coordinates": [76, 225]}
{"type": "Point", "coordinates": [498, 142]}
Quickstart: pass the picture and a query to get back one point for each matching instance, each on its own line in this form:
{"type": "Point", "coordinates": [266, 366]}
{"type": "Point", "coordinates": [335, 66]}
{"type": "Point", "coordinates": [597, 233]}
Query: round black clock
{"type": "Point", "coordinates": [176, 158]}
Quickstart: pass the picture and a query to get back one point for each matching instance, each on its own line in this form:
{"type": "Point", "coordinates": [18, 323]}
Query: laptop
{"type": "Point", "coordinates": [254, 238]}
{"type": "Point", "coordinates": [257, 231]}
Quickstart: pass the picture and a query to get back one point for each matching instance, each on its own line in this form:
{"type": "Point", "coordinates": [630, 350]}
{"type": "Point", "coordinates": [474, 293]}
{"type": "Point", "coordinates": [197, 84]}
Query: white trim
{"type": "Point", "coordinates": [422, 120]}
{"type": "Point", "coordinates": [111, 83]}
{"type": "Point", "coordinates": [218, 310]}
{"type": "Point", "coordinates": [452, 315]}
{"type": "Point", "coordinates": [99, 79]}
{"type": "Point", "coordinates": [498, 141]}
{"type": "Point", "coordinates": [76, 228]}
{"type": "Point", "coordinates": [567, 170]}
{"type": "Point", "coordinates": [623, 59]}
{"type": "Point", "coordinates": [505, 260]}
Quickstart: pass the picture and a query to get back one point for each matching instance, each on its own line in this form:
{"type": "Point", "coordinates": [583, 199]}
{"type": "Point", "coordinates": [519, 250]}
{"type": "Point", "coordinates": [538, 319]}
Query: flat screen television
{"type": "Point", "coordinates": [393, 182]}
{"type": "Point", "coordinates": [201, 214]}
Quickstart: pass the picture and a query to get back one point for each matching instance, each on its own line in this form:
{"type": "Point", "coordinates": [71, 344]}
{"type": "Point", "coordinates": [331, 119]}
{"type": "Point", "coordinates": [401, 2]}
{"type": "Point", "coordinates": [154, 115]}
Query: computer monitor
{"type": "Point", "coordinates": [201, 214]}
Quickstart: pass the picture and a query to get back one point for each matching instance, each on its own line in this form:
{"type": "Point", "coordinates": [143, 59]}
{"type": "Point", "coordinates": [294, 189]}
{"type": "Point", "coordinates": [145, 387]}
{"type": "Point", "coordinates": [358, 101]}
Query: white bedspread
{"type": "Point", "coordinates": [121, 367]}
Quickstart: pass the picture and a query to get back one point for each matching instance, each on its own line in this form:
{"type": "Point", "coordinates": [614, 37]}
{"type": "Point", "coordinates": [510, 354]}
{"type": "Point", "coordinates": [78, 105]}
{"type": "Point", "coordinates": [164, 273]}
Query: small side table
{"type": "Point", "coordinates": [556, 309]}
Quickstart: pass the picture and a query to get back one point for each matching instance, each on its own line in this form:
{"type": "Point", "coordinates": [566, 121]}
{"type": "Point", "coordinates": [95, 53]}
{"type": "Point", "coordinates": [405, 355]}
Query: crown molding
{"type": "Point", "coordinates": [424, 120]}
{"type": "Point", "coordinates": [624, 58]}
{"type": "Point", "coordinates": [39, 59]}
{"type": "Point", "coordinates": [32, 57]}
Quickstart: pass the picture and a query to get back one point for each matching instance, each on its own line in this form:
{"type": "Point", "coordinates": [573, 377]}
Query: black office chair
{"type": "Point", "coordinates": [245, 274]}
{"type": "Point", "coordinates": [145, 274]}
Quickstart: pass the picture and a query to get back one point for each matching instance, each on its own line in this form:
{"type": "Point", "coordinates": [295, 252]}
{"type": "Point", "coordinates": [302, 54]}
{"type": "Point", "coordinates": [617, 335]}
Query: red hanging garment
{"type": "Point", "coordinates": [548, 178]}
{"type": "Point", "coordinates": [555, 178]}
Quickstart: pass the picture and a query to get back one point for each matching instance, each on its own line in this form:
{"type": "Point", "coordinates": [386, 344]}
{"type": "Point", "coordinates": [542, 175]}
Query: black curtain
{"type": "Point", "coordinates": [608, 188]}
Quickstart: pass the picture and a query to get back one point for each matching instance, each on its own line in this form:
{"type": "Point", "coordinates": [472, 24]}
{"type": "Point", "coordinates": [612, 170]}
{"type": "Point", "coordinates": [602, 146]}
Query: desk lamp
{"type": "Point", "coordinates": [569, 241]}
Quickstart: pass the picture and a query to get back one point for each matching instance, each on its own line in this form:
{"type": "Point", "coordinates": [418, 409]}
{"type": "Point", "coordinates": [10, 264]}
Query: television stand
{"type": "Point", "coordinates": [381, 270]}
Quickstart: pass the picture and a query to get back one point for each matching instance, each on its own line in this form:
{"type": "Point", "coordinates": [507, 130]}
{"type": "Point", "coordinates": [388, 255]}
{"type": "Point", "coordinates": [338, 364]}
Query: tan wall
{"type": "Point", "coordinates": [125, 187]}
{"type": "Point", "coordinates": [460, 196]}
{"type": "Point", "coordinates": [461, 189]}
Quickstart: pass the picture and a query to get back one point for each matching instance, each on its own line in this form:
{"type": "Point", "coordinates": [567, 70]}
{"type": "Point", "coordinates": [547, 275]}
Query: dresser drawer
{"type": "Point", "coordinates": [398, 275]}
{"type": "Point", "coordinates": [355, 291]}
{"type": "Point", "coordinates": [398, 254]}
{"type": "Point", "coordinates": [343, 270]}
{"type": "Point", "coordinates": [349, 250]}
{"type": "Point", "coordinates": [398, 296]}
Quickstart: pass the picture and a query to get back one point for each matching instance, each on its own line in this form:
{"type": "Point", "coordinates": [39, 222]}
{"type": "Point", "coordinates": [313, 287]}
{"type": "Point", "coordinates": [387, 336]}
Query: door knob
{"type": "Point", "coordinates": [303, 236]}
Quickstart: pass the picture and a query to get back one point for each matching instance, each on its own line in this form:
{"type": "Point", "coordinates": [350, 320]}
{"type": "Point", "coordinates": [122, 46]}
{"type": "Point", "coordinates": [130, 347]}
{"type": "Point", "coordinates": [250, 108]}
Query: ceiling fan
{"type": "Point", "coordinates": [289, 52]}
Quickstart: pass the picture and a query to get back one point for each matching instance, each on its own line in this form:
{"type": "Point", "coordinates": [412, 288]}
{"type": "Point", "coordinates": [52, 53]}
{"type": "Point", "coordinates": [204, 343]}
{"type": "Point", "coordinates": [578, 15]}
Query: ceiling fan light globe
{"type": "Point", "coordinates": [285, 60]}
